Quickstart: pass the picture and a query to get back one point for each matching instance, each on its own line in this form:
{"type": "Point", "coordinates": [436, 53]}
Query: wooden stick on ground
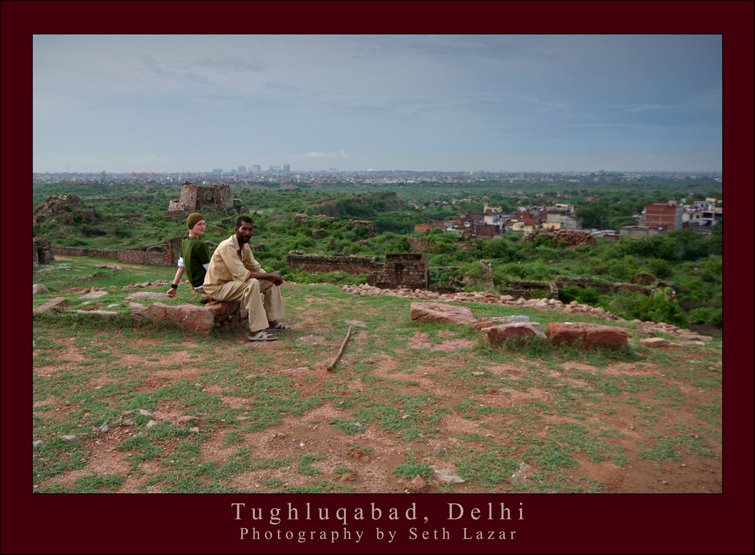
{"type": "Point", "coordinates": [333, 362]}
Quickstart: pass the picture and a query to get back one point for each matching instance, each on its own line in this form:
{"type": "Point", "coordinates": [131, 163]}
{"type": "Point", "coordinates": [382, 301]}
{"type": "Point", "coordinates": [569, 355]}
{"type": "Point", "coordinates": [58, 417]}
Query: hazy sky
{"type": "Point", "coordinates": [122, 103]}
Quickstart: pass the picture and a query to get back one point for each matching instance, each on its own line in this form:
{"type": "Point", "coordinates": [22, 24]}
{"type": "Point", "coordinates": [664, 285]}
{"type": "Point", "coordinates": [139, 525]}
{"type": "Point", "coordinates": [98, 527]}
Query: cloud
{"type": "Point", "coordinates": [240, 98]}
{"type": "Point", "coordinates": [339, 154]}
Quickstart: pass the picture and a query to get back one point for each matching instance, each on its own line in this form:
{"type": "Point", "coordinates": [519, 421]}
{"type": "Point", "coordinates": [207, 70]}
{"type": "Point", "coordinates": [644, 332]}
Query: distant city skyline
{"type": "Point", "coordinates": [446, 103]}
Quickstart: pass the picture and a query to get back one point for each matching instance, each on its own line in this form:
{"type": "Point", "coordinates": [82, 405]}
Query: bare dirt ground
{"type": "Point", "coordinates": [372, 457]}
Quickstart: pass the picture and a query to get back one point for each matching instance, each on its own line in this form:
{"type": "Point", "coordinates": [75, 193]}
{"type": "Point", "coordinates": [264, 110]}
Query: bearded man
{"type": "Point", "coordinates": [233, 274]}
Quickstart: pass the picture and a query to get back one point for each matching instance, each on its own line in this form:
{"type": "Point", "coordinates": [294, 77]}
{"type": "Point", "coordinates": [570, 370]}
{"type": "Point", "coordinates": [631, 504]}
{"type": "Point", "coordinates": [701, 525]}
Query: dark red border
{"type": "Point", "coordinates": [203, 523]}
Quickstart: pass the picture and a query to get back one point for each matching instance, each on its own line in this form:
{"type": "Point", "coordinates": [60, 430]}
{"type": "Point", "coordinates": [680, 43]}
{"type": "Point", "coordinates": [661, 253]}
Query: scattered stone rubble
{"type": "Point", "coordinates": [157, 283]}
{"type": "Point", "coordinates": [65, 209]}
{"type": "Point", "coordinates": [193, 318]}
{"type": "Point", "coordinates": [202, 319]}
{"type": "Point", "coordinates": [567, 237]}
{"type": "Point", "coordinates": [500, 330]}
{"type": "Point", "coordinates": [649, 328]}
{"type": "Point", "coordinates": [126, 420]}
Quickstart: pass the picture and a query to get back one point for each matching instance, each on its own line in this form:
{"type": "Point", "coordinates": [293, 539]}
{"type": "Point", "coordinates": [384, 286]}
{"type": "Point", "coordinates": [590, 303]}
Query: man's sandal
{"type": "Point", "coordinates": [262, 336]}
{"type": "Point", "coordinates": [281, 327]}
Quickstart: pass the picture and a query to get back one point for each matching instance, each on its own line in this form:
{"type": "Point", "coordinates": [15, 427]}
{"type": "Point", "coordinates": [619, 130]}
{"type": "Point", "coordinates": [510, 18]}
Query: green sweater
{"type": "Point", "coordinates": [195, 253]}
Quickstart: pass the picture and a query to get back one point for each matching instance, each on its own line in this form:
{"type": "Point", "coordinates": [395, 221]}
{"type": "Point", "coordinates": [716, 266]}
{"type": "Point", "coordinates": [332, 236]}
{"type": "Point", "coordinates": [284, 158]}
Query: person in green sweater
{"type": "Point", "coordinates": [195, 256]}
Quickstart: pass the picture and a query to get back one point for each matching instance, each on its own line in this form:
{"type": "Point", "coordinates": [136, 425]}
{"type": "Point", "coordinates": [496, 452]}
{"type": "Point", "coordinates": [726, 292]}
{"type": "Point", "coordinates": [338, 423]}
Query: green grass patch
{"type": "Point", "coordinates": [306, 462]}
{"type": "Point", "coordinates": [491, 468]}
{"type": "Point", "coordinates": [348, 426]}
{"type": "Point", "coordinates": [412, 470]}
{"type": "Point", "coordinates": [55, 456]}
{"type": "Point", "coordinates": [552, 455]}
{"type": "Point", "coordinates": [90, 483]}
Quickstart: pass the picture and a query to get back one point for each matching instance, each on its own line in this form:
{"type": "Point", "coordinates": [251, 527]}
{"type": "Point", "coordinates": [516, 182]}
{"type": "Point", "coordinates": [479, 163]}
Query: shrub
{"type": "Point", "coordinates": [656, 308]}
{"type": "Point", "coordinates": [715, 240]}
{"type": "Point", "coordinates": [539, 270]}
{"type": "Point", "coordinates": [336, 278]}
{"type": "Point", "coordinates": [706, 315]}
{"type": "Point", "coordinates": [622, 269]}
{"type": "Point", "coordinates": [504, 273]}
{"type": "Point", "coordinates": [691, 243]}
{"type": "Point", "coordinates": [660, 246]}
{"type": "Point", "coordinates": [660, 268]}
{"type": "Point", "coordinates": [442, 276]}
{"type": "Point", "coordinates": [712, 270]}
{"type": "Point", "coordinates": [500, 248]}
{"type": "Point", "coordinates": [583, 295]}
{"type": "Point", "coordinates": [88, 230]}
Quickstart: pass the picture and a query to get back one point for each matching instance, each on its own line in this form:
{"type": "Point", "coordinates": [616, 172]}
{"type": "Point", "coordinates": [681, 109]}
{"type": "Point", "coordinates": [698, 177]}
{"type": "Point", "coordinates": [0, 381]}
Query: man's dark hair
{"type": "Point", "coordinates": [243, 218]}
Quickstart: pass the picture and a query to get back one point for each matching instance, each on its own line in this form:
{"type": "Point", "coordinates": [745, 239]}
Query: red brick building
{"type": "Point", "coordinates": [663, 215]}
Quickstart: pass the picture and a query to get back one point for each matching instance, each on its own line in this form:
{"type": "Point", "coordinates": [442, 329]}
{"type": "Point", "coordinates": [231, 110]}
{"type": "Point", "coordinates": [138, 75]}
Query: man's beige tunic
{"type": "Point", "coordinates": [228, 279]}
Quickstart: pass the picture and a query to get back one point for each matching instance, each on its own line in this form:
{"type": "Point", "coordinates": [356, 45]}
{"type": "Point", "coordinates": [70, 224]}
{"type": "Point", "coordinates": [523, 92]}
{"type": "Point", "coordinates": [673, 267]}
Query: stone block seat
{"type": "Point", "coordinates": [226, 314]}
{"type": "Point", "coordinates": [193, 318]}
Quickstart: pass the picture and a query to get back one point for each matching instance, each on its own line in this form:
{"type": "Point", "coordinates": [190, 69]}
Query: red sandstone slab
{"type": "Point", "coordinates": [566, 332]}
{"type": "Point", "coordinates": [53, 304]}
{"type": "Point", "coordinates": [197, 319]}
{"type": "Point", "coordinates": [606, 336]}
{"type": "Point", "coordinates": [588, 335]}
{"type": "Point", "coordinates": [499, 334]}
{"type": "Point", "coordinates": [439, 312]}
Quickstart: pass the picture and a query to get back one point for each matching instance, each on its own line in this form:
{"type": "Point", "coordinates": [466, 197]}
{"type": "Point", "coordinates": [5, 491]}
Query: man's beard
{"type": "Point", "coordinates": [244, 239]}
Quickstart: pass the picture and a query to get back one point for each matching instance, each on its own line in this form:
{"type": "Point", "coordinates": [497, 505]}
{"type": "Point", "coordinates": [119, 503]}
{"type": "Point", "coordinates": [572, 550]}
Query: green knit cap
{"type": "Point", "coordinates": [193, 218]}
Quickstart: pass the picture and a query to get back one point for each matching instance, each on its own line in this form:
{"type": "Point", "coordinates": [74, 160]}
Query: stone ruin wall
{"type": "Point", "coordinates": [550, 289]}
{"type": "Point", "coordinates": [568, 237]}
{"type": "Point", "coordinates": [403, 270]}
{"type": "Point", "coordinates": [346, 264]}
{"type": "Point", "coordinates": [188, 196]}
{"type": "Point", "coordinates": [41, 251]}
{"type": "Point", "coordinates": [193, 197]}
{"type": "Point", "coordinates": [420, 244]}
{"type": "Point", "coordinates": [366, 224]}
{"type": "Point", "coordinates": [398, 270]}
{"type": "Point", "coordinates": [529, 289]}
{"type": "Point", "coordinates": [158, 255]}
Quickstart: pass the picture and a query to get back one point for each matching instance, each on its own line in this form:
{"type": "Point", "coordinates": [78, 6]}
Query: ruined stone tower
{"type": "Point", "coordinates": [194, 197]}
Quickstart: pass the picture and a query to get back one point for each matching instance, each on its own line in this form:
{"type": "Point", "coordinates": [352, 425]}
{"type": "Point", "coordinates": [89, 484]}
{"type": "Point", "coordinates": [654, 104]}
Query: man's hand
{"type": "Point", "coordinates": [275, 278]}
{"type": "Point", "coordinates": [171, 292]}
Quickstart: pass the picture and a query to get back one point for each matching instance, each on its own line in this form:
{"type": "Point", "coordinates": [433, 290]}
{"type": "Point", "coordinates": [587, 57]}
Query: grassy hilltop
{"type": "Point", "coordinates": [126, 407]}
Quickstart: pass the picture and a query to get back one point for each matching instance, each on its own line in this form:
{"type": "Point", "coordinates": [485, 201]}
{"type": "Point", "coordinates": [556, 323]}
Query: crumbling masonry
{"type": "Point", "coordinates": [193, 197]}
{"type": "Point", "coordinates": [41, 251]}
{"type": "Point", "coordinates": [398, 270]}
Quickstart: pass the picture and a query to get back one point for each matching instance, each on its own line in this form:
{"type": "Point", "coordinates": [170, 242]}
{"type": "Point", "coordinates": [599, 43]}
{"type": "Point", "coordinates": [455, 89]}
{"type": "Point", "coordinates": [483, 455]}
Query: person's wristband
{"type": "Point", "coordinates": [174, 286]}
